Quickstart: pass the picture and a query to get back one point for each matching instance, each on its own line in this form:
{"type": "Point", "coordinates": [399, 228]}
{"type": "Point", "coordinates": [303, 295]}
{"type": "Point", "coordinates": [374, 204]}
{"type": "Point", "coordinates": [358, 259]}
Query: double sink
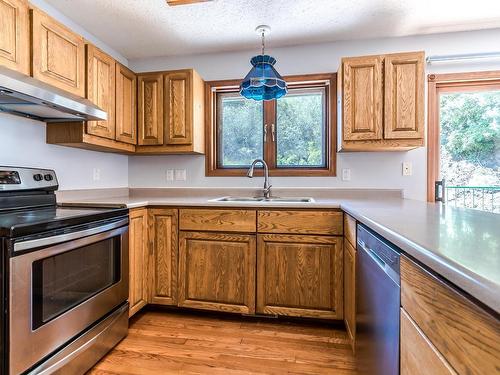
{"type": "Point", "coordinates": [263, 199]}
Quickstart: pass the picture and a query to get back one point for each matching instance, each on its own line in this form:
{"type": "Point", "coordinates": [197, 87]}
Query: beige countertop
{"type": "Point", "coordinates": [461, 245]}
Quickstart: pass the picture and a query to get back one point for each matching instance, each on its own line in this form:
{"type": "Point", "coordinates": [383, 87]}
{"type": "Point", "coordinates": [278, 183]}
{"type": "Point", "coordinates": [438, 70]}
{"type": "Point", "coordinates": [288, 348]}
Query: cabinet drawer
{"type": "Point", "coordinates": [350, 229]}
{"type": "Point", "coordinates": [300, 222]}
{"type": "Point", "coordinates": [416, 349]}
{"type": "Point", "coordinates": [465, 334]}
{"type": "Point", "coordinates": [217, 220]}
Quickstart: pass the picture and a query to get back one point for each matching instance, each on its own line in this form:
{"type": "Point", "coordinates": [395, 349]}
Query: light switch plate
{"type": "Point", "coordinates": [346, 174]}
{"type": "Point", "coordinates": [407, 168]}
{"type": "Point", "coordinates": [180, 175]}
{"type": "Point", "coordinates": [170, 175]}
{"type": "Point", "coordinates": [96, 174]}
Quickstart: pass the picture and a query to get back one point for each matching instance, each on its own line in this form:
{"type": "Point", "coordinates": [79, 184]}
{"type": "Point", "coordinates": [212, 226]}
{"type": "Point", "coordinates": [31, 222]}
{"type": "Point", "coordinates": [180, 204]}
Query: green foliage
{"type": "Point", "coordinates": [300, 130]}
{"type": "Point", "coordinates": [242, 131]}
{"type": "Point", "coordinates": [470, 126]}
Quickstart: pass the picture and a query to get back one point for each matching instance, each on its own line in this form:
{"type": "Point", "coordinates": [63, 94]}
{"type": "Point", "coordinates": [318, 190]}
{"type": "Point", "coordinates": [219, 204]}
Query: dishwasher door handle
{"type": "Point", "coordinates": [380, 262]}
{"type": "Point", "coordinates": [372, 254]}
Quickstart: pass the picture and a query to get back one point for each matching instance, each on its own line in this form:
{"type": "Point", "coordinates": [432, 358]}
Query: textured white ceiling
{"type": "Point", "coordinates": [147, 28]}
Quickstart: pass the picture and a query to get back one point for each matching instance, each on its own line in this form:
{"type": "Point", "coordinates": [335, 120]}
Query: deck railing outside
{"type": "Point", "coordinates": [485, 198]}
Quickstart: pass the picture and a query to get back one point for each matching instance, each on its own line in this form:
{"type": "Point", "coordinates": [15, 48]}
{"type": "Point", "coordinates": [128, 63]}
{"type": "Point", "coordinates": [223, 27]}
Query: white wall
{"type": "Point", "coordinates": [368, 170]}
{"type": "Point", "coordinates": [22, 141]}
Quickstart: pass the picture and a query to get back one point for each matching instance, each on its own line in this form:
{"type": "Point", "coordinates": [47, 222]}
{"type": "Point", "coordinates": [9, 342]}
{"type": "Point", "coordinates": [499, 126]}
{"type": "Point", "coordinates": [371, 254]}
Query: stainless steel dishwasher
{"type": "Point", "coordinates": [377, 304]}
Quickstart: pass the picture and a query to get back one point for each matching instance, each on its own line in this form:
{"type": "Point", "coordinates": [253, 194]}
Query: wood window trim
{"type": "Point", "coordinates": [211, 169]}
{"type": "Point", "coordinates": [449, 82]}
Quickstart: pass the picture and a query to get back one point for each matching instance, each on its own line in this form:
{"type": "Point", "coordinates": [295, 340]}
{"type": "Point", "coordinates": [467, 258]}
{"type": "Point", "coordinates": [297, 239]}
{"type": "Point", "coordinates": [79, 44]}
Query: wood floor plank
{"type": "Point", "coordinates": [172, 342]}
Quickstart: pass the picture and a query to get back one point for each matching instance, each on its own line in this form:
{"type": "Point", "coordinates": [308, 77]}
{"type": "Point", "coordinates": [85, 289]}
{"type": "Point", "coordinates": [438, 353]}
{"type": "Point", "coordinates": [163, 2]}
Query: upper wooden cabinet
{"type": "Point", "coordinates": [101, 90]}
{"type": "Point", "coordinates": [363, 98]}
{"type": "Point", "coordinates": [14, 35]}
{"type": "Point", "coordinates": [150, 109]}
{"type": "Point", "coordinates": [300, 275]}
{"type": "Point", "coordinates": [381, 102]}
{"type": "Point", "coordinates": [58, 54]}
{"type": "Point", "coordinates": [178, 111]}
{"type": "Point", "coordinates": [404, 96]}
{"type": "Point", "coordinates": [171, 112]}
{"type": "Point", "coordinates": [126, 105]}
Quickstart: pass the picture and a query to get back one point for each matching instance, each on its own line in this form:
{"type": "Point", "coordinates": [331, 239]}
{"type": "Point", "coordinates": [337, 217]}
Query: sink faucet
{"type": "Point", "coordinates": [267, 187]}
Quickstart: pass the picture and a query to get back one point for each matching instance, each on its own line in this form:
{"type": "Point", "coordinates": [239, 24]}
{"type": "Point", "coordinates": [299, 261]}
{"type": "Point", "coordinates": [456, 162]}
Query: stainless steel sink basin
{"type": "Point", "coordinates": [262, 199]}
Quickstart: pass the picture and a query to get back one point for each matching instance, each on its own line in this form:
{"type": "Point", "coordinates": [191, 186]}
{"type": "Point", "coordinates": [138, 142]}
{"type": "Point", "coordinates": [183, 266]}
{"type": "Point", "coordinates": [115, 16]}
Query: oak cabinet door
{"type": "Point", "coordinates": [300, 275]}
{"type": "Point", "coordinates": [217, 271]}
{"type": "Point", "coordinates": [163, 240]}
{"type": "Point", "coordinates": [150, 109]}
{"type": "Point", "coordinates": [404, 96]}
{"type": "Point", "coordinates": [418, 355]}
{"type": "Point", "coordinates": [101, 78]}
{"type": "Point", "coordinates": [350, 290]}
{"type": "Point", "coordinates": [455, 324]}
{"type": "Point", "coordinates": [362, 98]}
{"type": "Point", "coordinates": [178, 108]}
{"type": "Point", "coordinates": [126, 105]}
{"type": "Point", "coordinates": [58, 54]}
{"type": "Point", "coordinates": [138, 259]}
{"type": "Point", "coordinates": [14, 35]}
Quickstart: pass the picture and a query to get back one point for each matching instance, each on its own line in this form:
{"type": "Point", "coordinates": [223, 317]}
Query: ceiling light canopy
{"type": "Point", "coordinates": [263, 82]}
{"type": "Point", "coordinates": [184, 2]}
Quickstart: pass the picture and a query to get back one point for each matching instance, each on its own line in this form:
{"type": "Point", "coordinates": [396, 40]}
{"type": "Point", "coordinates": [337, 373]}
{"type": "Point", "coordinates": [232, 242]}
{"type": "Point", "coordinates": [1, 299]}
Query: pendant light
{"type": "Point", "coordinates": [263, 82]}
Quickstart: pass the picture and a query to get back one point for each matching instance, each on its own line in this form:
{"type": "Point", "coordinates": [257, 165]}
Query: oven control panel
{"type": "Point", "coordinates": [19, 178]}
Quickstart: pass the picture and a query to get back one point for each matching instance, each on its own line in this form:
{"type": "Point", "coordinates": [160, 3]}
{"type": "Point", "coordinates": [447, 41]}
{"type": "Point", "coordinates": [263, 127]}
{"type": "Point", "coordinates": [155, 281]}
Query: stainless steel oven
{"type": "Point", "coordinates": [60, 286]}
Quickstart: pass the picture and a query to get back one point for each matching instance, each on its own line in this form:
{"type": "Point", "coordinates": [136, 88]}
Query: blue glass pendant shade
{"type": "Point", "coordinates": [263, 82]}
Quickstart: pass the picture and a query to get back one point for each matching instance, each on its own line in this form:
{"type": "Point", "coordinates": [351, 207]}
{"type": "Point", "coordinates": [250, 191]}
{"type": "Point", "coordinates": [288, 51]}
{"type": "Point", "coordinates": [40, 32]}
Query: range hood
{"type": "Point", "coordinates": [27, 97]}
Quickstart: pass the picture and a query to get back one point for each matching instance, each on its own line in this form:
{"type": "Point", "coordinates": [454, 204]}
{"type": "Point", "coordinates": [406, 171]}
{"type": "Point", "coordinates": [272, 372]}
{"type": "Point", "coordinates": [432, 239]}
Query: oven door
{"type": "Point", "coordinates": [58, 291]}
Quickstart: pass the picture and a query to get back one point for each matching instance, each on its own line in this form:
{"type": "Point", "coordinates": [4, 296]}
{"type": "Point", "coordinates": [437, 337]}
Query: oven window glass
{"type": "Point", "coordinates": [66, 280]}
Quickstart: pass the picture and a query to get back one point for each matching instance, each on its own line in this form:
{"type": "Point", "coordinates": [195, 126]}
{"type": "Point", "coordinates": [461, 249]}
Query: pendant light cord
{"type": "Point", "coordinates": [262, 38]}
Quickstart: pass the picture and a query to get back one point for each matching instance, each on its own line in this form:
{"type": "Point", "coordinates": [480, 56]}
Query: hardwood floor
{"type": "Point", "coordinates": [172, 342]}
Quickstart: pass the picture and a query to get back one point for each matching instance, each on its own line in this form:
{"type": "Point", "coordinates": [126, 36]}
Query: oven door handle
{"type": "Point", "coordinates": [49, 241]}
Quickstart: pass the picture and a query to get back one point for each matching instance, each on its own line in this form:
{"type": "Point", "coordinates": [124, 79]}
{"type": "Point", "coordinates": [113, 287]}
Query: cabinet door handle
{"type": "Point", "coordinates": [265, 132]}
{"type": "Point", "coordinates": [273, 133]}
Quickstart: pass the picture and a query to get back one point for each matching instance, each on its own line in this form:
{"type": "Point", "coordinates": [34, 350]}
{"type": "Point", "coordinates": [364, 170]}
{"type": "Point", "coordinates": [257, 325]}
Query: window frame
{"type": "Point", "coordinates": [447, 83]}
{"type": "Point", "coordinates": [327, 80]}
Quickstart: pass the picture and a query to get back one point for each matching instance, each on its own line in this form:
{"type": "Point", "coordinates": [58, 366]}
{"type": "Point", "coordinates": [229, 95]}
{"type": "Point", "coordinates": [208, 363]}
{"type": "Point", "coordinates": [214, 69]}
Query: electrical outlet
{"type": "Point", "coordinates": [96, 174]}
{"type": "Point", "coordinates": [180, 175]}
{"type": "Point", "coordinates": [346, 174]}
{"type": "Point", "coordinates": [170, 175]}
{"type": "Point", "coordinates": [407, 168]}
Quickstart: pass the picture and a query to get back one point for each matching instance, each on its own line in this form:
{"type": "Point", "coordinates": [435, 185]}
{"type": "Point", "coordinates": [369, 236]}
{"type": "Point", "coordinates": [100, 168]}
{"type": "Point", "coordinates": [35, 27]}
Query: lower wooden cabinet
{"type": "Point", "coordinates": [350, 290]}
{"type": "Point", "coordinates": [163, 242]}
{"type": "Point", "coordinates": [466, 335]}
{"type": "Point", "coordinates": [138, 259]}
{"type": "Point", "coordinates": [300, 275]}
{"type": "Point", "coordinates": [418, 355]}
{"type": "Point", "coordinates": [217, 271]}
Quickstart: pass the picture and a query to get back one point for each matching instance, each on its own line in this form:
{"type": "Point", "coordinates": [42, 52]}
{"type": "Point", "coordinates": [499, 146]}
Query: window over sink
{"type": "Point", "coordinates": [295, 134]}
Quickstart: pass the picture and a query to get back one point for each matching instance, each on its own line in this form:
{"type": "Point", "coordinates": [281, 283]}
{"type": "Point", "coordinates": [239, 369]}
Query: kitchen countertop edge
{"type": "Point", "coordinates": [480, 288]}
